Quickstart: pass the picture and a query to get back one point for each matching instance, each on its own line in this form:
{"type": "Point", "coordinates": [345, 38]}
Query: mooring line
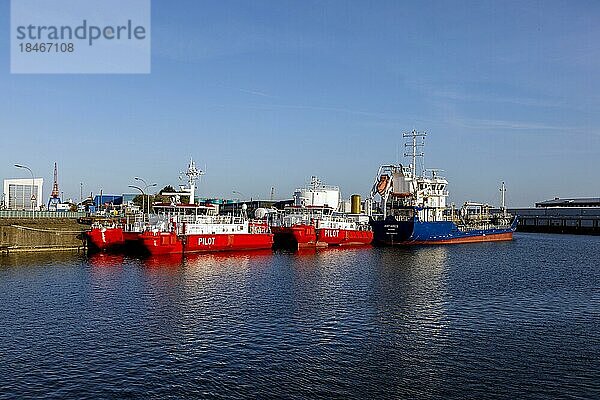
{"type": "Point", "coordinates": [43, 230]}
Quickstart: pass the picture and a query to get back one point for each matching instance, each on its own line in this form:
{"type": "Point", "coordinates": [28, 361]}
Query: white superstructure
{"type": "Point", "coordinates": [321, 217]}
{"type": "Point", "coordinates": [200, 220]}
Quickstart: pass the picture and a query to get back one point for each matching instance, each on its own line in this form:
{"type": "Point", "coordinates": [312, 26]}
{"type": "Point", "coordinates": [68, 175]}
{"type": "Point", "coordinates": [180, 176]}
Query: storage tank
{"type": "Point", "coordinates": [317, 196]}
{"type": "Point", "coordinates": [355, 207]}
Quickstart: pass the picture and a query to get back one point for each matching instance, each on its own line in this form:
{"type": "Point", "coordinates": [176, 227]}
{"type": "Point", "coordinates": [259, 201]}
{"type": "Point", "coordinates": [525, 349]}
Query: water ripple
{"type": "Point", "coordinates": [499, 320]}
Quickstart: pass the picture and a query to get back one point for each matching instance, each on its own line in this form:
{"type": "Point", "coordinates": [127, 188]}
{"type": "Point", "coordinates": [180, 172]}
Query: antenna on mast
{"type": "Point", "coordinates": [193, 174]}
{"type": "Point", "coordinates": [503, 202]}
{"type": "Point", "coordinates": [314, 181]}
{"type": "Point", "coordinates": [414, 144]}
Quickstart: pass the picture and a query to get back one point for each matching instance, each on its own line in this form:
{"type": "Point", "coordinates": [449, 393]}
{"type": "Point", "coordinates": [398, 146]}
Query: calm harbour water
{"type": "Point", "coordinates": [491, 320]}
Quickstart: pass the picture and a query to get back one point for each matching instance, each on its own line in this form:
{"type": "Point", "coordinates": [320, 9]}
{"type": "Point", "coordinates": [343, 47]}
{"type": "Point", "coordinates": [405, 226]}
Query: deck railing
{"type": "Point", "coordinates": [40, 214]}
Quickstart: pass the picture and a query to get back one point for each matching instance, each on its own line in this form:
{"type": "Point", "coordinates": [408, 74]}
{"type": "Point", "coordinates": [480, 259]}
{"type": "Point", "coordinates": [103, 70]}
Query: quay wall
{"type": "Point", "coordinates": [573, 220]}
{"type": "Point", "coordinates": [41, 234]}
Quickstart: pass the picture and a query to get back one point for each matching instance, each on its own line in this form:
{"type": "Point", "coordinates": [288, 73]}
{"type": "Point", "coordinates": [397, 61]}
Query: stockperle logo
{"type": "Point", "coordinates": [80, 36]}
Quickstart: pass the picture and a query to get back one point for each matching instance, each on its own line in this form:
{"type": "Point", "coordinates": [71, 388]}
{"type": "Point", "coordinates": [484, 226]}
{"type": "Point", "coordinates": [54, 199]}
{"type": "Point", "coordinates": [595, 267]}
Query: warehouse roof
{"type": "Point", "coordinates": [575, 202]}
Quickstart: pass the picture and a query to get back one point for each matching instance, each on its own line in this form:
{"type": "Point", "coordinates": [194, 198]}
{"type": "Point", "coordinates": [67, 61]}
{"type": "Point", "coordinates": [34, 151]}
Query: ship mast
{"type": "Point", "coordinates": [503, 203]}
{"type": "Point", "coordinates": [193, 174]}
{"type": "Point", "coordinates": [314, 182]}
{"type": "Point", "coordinates": [414, 144]}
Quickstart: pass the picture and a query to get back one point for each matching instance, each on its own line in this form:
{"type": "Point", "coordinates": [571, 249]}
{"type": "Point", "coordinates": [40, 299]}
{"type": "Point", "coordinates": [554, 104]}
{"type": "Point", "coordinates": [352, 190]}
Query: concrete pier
{"type": "Point", "coordinates": [41, 234]}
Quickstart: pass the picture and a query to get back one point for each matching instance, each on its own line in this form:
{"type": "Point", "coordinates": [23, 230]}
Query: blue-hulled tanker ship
{"type": "Point", "coordinates": [410, 208]}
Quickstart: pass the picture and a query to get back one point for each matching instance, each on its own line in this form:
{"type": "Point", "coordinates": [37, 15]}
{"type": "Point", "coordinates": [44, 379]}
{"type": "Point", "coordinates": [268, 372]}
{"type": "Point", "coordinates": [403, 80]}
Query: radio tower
{"type": "Point", "coordinates": [55, 195]}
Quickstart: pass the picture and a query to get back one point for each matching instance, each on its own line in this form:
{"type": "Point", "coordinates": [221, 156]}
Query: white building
{"type": "Point", "coordinates": [18, 193]}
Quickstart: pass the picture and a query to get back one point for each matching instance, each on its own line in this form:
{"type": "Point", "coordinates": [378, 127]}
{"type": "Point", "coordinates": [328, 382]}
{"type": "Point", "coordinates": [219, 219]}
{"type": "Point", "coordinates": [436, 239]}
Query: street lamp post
{"type": "Point", "coordinates": [148, 194]}
{"type": "Point", "coordinates": [146, 186]}
{"type": "Point", "coordinates": [33, 199]}
{"type": "Point", "coordinates": [143, 195]}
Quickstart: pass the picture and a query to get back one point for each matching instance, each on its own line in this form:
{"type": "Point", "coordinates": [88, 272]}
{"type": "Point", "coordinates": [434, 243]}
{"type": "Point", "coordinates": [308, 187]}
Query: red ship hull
{"type": "Point", "coordinates": [343, 237]}
{"type": "Point", "coordinates": [111, 239]}
{"type": "Point", "coordinates": [170, 243]}
{"type": "Point", "coordinates": [296, 237]}
{"type": "Point", "coordinates": [304, 236]}
{"type": "Point", "coordinates": [131, 237]}
{"type": "Point", "coordinates": [105, 238]}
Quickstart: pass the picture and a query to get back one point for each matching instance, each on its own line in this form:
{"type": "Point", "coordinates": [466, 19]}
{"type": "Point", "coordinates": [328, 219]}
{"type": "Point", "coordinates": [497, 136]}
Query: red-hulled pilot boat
{"type": "Point", "coordinates": [314, 220]}
{"type": "Point", "coordinates": [191, 228]}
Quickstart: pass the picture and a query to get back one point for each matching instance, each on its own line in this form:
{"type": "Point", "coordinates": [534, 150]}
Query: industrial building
{"type": "Point", "coordinates": [569, 215]}
{"type": "Point", "coordinates": [108, 200]}
{"type": "Point", "coordinates": [23, 194]}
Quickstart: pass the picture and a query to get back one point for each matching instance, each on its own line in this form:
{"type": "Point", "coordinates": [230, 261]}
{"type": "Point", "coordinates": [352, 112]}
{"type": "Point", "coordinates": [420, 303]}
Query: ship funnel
{"type": "Point", "coordinates": [355, 204]}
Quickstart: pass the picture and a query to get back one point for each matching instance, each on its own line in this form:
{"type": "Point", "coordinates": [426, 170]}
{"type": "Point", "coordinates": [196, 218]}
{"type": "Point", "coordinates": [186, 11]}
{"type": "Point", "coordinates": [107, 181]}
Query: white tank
{"type": "Point", "coordinates": [317, 195]}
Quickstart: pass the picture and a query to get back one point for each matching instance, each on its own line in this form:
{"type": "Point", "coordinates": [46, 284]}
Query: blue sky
{"type": "Point", "coordinates": [267, 93]}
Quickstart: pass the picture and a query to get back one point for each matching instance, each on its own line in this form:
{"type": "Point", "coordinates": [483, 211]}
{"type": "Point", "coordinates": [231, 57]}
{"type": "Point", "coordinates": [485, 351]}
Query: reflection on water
{"type": "Point", "coordinates": [483, 321]}
{"type": "Point", "coordinates": [166, 261]}
{"type": "Point", "coordinates": [106, 260]}
{"type": "Point", "coordinates": [41, 259]}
